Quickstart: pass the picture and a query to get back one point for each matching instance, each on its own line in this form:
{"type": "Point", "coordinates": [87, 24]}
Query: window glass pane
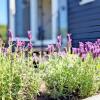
{"type": "Point", "coordinates": [44, 22]}
{"type": "Point", "coordinates": [26, 17]}
{"type": "Point", "coordinates": [63, 17]}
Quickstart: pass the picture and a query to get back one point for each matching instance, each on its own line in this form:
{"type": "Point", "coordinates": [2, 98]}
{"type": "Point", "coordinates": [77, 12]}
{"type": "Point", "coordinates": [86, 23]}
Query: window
{"type": "Point", "coordinates": [82, 2]}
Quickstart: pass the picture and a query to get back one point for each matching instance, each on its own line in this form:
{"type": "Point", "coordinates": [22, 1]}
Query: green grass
{"type": "Point", "coordinates": [3, 30]}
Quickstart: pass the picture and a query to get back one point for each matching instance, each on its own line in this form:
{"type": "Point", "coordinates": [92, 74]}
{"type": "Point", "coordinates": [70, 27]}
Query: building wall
{"type": "Point", "coordinates": [84, 21]}
{"type": "Point", "coordinates": [52, 17]}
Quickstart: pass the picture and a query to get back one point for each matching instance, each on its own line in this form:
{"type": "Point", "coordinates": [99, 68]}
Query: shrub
{"type": "Point", "coordinates": [17, 80]}
{"type": "Point", "coordinates": [65, 74]}
{"type": "Point", "coordinates": [69, 75]}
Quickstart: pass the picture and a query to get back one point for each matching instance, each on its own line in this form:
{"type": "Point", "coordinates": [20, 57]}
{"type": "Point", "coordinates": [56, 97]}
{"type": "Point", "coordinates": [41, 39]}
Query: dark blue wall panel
{"type": "Point", "coordinates": [84, 21]}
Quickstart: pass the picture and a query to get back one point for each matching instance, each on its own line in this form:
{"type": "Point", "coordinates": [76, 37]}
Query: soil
{"type": "Point", "coordinates": [44, 96]}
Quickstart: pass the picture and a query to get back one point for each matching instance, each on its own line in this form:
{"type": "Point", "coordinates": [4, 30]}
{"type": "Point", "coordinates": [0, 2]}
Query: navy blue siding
{"type": "Point", "coordinates": [84, 21]}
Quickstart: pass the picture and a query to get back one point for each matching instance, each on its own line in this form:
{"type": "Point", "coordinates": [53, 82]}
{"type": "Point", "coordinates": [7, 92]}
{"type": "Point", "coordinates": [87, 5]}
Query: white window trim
{"type": "Point", "coordinates": [82, 2]}
{"type": "Point", "coordinates": [12, 7]}
{"type": "Point", "coordinates": [36, 43]}
{"type": "Point", "coordinates": [34, 19]}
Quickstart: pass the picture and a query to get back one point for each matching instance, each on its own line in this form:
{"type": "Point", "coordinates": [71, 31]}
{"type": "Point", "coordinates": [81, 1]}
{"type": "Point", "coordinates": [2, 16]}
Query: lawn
{"type": "Point", "coordinates": [3, 31]}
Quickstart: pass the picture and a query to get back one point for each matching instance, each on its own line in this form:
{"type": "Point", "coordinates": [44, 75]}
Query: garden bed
{"type": "Point", "coordinates": [69, 74]}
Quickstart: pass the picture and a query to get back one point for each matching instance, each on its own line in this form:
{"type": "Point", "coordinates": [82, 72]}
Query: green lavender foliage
{"type": "Point", "coordinates": [65, 75]}
{"type": "Point", "coordinates": [18, 81]}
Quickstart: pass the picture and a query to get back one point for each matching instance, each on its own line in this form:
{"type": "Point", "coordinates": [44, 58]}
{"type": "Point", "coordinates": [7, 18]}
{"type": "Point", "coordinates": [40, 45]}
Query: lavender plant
{"type": "Point", "coordinates": [72, 74]}
{"type": "Point", "coordinates": [18, 78]}
{"type": "Point", "coordinates": [64, 73]}
{"type": "Point", "coordinates": [69, 76]}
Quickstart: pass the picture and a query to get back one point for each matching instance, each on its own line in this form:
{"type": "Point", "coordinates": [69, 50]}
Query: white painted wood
{"type": "Point", "coordinates": [34, 18]}
{"type": "Point", "coordinates": [82, 2]}
{"type": "Point", "coordinates": [36, 43]}
{"type": "Point", "coordinates": [54, 24]}
{"type": "Point", "coordinates": [55, 9]}
{"type": "Point", "coordinates": [34, 23]}
{"type": "Point", "coordinates": [12, 12]}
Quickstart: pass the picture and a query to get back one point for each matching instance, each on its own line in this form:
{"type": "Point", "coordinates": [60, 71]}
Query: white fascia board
{"type": "Point", "coordinates": [82, 2]}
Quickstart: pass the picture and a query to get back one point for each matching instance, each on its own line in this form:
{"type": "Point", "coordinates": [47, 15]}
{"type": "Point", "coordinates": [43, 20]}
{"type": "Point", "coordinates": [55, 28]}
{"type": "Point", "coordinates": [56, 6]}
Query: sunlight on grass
{"type": "Point", "coordinates": [3, 31]}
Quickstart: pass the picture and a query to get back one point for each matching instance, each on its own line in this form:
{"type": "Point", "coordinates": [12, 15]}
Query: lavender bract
{"type": "Point", "coordinates": [29, 35]}
{"type": "Point", "coordinates": [10, 35]}
{"type": "Point", "coordinates": [19, 43]}
{"type": "Point", "coordinates": [50, 48]}
{"type": "Point", "coordinates": [30, 45]}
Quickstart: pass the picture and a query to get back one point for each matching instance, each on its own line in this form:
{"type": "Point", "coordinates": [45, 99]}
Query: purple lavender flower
{"type": "Point", "coordinates": [69, 37]}
{"type": "Point", "coordinates": [94, 54]}
{"type": "Point", "coordinates": [10, 35]}
{"type": "Point", "coordinates": [51, 48]}
{"type": "Point", "coordinates": [30, 45]}
{"type": "Point", "coordinates": [19, 43]}
{"type": "Point", "coordinates": [62, 54]}
{"type": "Point", "coordinates": [29, 35]}
{"type": "Point", "coordinates": [58, 45]}
{"type": "Point", "coordinates": [23, 43]}
{"type": "Point", "coordinates": [74, 50]}
{"type": "Point", "coordinates": [59, 38]}
{"type": "Point", "coordinates": [98, 40]}
{"type": "Point", "coordinates": [82, 50]}
{"type": "Point", "coordinates": [83, 56]}
{"type": "Point", "coordinates": [34, 56]}
{"type": "Point", "coordinates": [81, 44]}
{"type": "Point", "coordinates": [69, 42]}
{"type": "Point", "coordinates": [4, 50]}
{"type": "Point", "coordinates": [82, 47]}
